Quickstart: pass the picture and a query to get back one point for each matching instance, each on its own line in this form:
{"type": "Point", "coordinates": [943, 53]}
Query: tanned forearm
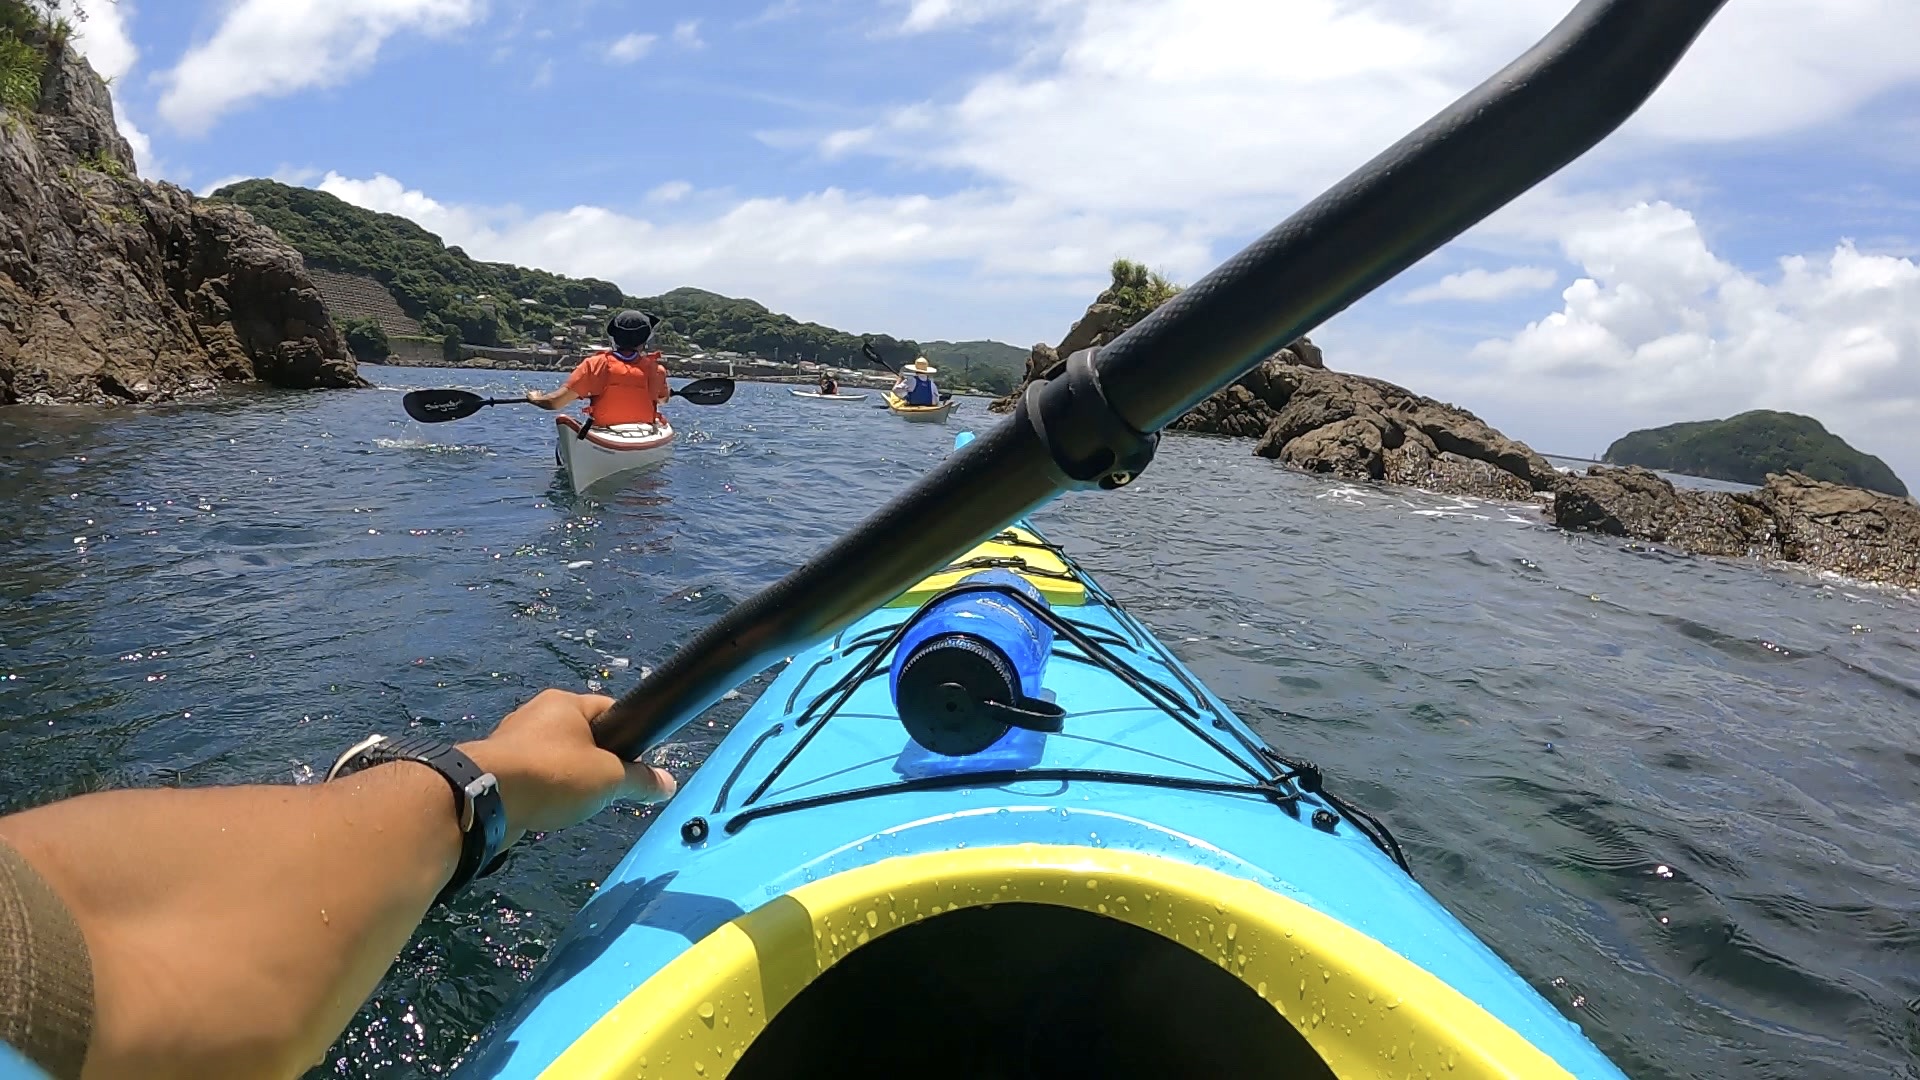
{"type": "Point", "coordinates": [235, 931]}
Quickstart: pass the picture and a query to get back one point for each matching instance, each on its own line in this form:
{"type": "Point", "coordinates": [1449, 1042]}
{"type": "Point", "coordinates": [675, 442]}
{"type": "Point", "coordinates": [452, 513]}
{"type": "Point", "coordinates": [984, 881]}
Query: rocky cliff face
{"type": "Point", "coordinates": [113, 288]}
{"type": "Point", "coordinates": [1793, 518]}
{"type": "Point", "coordinates": [1332, 422]}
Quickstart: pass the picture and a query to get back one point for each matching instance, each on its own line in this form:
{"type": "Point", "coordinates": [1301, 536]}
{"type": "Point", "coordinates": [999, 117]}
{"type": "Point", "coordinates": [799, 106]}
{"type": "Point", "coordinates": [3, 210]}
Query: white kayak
{"type": "Point", "coordinates": [817, 396]}
{"type": "Point", "coordinates": [607, 452]}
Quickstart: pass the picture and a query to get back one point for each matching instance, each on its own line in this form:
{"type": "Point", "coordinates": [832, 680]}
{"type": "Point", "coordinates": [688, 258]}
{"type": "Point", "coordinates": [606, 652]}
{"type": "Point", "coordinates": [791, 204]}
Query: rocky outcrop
{"type": "Point", "coordinates": [1792, 518]}
{"type": "Point", "coordinates": [113, 288]}
{"type": "Point", "coordinates": [1332, 422]}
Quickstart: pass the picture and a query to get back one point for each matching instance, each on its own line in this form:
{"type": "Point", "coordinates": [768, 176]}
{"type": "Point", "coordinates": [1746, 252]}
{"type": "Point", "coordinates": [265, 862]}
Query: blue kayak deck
{"type": "Point", "coordinates": [782, 803]}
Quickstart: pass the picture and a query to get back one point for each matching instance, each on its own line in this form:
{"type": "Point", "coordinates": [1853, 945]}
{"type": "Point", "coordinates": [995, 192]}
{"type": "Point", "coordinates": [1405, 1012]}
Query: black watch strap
{"type": "Point", "coordinates": [478, 809]}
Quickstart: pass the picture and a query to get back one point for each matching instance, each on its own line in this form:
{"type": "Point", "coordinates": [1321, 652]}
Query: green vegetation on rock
{"type": "Point", "coordinates": [1137, 291]}
{"type": "Point", "coordinates": [1745, 448]}
{"type": "Point", "coordinates": [457, 298]}
{"type": "Point", "coordinates": [30, 30]}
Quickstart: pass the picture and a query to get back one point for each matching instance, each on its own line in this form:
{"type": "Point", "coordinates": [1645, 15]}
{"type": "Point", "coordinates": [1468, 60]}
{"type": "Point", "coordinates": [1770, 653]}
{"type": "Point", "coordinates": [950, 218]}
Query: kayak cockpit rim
{"type": "Point", "coordinates": [1354, 1007]}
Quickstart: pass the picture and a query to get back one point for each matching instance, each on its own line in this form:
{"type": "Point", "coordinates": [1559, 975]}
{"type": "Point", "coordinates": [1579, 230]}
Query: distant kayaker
{"type": "Point", "coordinates": [235, 931]}
{"type": "Point", "coordinates": [829, 387]}
{"type": "Point", "coordinates": [916, 383]}
{"type": "Point", "coordinates": [622, 385]}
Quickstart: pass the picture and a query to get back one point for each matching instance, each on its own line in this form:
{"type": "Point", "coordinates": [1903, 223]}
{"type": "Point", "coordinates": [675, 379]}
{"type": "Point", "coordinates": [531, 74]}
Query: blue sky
{"type": "Point", "coordinates": [966, 168]}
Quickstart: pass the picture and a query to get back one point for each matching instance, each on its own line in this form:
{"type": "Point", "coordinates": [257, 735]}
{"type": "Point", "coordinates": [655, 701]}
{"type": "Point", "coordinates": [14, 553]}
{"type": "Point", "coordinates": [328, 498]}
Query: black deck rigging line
{"type": "Point", "coordinates": [1300, 775]}
{"type": "Point", "coordinates": [1276, 793]}
{"type": "Point", "coordinates": [1014, 539]}
{"type": "Point", "coordinates": [1306, 776]}
{"type": "Point", "coordinates": [1153, 692]}
{"type": "Point", "coordinates": [720, 800]}
{"type": "Point", "coordinates": [1007, 562]}
{"type": "Point", "coordinates": [877, 632]}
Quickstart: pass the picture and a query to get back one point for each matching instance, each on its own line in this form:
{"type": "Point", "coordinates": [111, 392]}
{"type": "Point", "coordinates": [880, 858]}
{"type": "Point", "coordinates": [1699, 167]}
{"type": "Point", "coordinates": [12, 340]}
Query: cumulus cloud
{"type": "Point", "coordinates": [631, 48]}
{"type": "Point", "coordinates": [1478, 284]}
{"type": "Point", "coordinates": [103, 39]}
{"type": "Point", "coordinates": [686, 34]}
{"type": "Point", "coordinates": [1661, 328]}
{"type": "Point", "coordinates": [272, 48]}
{"type": "Point", "coordinates": [1137, 105]}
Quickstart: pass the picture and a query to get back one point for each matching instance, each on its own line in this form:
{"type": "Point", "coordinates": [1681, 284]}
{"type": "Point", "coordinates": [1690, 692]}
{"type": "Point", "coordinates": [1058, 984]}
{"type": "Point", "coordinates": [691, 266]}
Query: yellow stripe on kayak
{"type": "Point", "coordinates": [1038, 565]}
{"type": "Point", "coordinates": [1366, 1010]}
{"type": "Point", "coordinates": [899, 404]}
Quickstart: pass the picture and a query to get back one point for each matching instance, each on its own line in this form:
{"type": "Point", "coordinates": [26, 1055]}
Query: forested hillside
{"type": "Point", "coordinates": [453, 295]}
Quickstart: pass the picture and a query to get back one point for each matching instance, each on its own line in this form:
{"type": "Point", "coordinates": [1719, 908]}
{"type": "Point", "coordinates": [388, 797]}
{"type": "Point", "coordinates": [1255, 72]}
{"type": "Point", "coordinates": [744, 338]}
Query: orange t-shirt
{"type": "Point", "coordinates": [618, 391]}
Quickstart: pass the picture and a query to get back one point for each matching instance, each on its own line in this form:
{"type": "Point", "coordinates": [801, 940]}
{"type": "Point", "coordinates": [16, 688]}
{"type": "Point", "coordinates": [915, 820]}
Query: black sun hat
{"type": "Point", "coordinates": [631, 329]}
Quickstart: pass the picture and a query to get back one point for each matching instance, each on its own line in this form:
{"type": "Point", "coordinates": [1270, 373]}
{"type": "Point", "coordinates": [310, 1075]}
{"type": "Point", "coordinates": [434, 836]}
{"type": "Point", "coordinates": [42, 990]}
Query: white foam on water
{"type": "Point", "coordinates": [581, 565]}
{"type": "Point", "coordinates": [431, 447]}
{"type": "Point", "coordinates": [1356, 496]}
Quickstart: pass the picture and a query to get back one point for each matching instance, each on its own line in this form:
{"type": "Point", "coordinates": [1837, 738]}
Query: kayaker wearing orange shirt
{"type": "Point", "coordinates": [622, 385]}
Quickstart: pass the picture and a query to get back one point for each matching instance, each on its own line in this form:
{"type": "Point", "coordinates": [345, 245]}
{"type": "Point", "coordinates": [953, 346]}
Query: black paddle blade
{"type": "Point", "coordinates": [707, 391]}
{"type": "Point", "coordinates": [440, 406]}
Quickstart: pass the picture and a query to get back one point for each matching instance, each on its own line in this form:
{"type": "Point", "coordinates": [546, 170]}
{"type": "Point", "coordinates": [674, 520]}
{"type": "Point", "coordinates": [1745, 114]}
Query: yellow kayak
{"type": "Point", "coordinates": [926, 414]}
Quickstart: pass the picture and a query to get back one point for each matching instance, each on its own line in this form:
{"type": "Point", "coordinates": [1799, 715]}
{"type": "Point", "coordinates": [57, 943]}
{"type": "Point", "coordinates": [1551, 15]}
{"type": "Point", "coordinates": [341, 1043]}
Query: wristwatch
{"type": "Point", "coordinates": [476, 798]}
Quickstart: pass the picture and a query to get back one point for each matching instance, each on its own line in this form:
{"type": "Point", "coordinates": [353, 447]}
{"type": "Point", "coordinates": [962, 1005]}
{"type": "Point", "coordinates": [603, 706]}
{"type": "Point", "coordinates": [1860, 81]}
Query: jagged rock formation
{"type": "Point", "coordinates": [1793, 518]}
{"type": "Point", "coordinates": [1332, 422]}
{"type": "Point", "coordinates": [114, 288]}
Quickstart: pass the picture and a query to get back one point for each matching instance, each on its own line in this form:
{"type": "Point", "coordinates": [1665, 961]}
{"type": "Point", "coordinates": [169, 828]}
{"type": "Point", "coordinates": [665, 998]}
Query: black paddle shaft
{"type": "Point", "coordinates": [440, 406]}
{"type": "Point", "coordinates": [1094, 420]}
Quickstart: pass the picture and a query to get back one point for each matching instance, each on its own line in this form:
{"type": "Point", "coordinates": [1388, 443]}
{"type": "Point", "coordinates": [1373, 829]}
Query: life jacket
{"type": "Point", "coordinates": [922, 392]}
{"type": "Point", "coordinates": [620, 391]}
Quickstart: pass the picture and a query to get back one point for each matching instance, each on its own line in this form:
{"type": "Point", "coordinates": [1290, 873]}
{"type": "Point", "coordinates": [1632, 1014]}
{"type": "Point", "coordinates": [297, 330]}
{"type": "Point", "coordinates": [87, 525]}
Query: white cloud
{"type": "Point", "coordinates": [928, 15]}
{"type": "Point", "coordinates": [686, 34]}
{"type": "Point", "coordinates": [1184, 101]}
{"type": "Point", "coordinates": [671, 191]}
{"type": "Point", "coordinates": [103, 39]}
{"type": "Point", "coordinates": [272, 48]}
{"type": "Point", "coordinates": [840, 142]}
{"type": "Point", "coordinates": [631, 48]}
{"type": "Point", "coordinates": [1481, 285]}
{"type": "Point", "coordinates": [1661, 328]}
{"type": "Point", "coordinates": [542, 76]}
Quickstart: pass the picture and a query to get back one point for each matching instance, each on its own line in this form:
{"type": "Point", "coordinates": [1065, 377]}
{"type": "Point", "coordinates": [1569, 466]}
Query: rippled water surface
{"type": "Point", "coordinates": [1678, 795]}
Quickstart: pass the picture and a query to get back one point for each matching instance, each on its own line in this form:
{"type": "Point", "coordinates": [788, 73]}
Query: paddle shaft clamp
{"type": "Point", "coordinates": [1090, 443]}
{"type": "Point", "coordinates": [1093, 424]}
